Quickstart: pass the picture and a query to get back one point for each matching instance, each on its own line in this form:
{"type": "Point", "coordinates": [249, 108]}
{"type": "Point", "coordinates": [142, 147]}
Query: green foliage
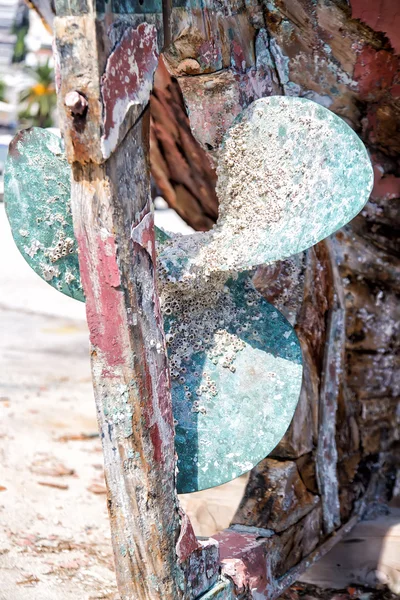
{"type": "Point", "coordinates": [20, 47]}
{"type": "Point", "coordinates": [3, 88]}
{"type": "Point", "coordinates": [20, 29]}
{"type": "Point", "coordinates": [40, 99]}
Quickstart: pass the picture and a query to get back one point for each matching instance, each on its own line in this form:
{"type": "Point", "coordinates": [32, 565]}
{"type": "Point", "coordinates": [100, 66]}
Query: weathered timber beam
{"type": "Point", "coordinates": [106, 66]}
{"type": "Point", "coordinates": [333, 367]}
{"type": "Point", "coordinates": [249, 558]}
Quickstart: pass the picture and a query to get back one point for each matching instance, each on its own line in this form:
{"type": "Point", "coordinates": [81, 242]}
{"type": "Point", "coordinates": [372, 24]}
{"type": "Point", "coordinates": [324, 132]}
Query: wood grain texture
{"type": "Point", "coordinates": [183, 172]}
{"type": "Point", "coordinates": [114, 228]}
{"type": "Point", "coordinates": [131, 378]}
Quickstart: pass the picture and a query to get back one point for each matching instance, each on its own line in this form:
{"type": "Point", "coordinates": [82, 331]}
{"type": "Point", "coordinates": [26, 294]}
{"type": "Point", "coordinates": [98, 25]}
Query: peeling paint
{"type": "Point", "coordinates": [375, 71]}
{"type": "Point", "coordinates": [102, 299]}
{"type": "Point", "coordinates": [127, 80]}
{"type": "Point", "coordinates": [142, 231]}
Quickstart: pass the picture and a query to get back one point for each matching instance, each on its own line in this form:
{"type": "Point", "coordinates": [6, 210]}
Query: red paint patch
{"type": "Point", "coordinates": [238, 58]}
{"type": "Point", "coordinates": [380, 16]}
{"type": "Point", "coordinates": [395, 91]}
{"type": "Point", "coordinates": [385, 187]}
{"type": "Point", "coordinates": [128, 76]}
{"type": "Point", "coordinates": [103, 299]}
{"type": "Point", "coordinates": [163, 388]}
{"type": "Point", "coordinates": [143, 233]}
{"type": "Point", "coordinates": [157, 443]}
{"type": "Point", "coordinates": [187, 541]}
{"type": "Point", "coordinates": [251, 551]}
{"type": "Point", "coordinates": [375, 71]}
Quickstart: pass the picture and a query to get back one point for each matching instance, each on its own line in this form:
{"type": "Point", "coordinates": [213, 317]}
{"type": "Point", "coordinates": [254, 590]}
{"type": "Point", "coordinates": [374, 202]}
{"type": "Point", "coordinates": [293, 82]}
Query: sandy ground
{"type": "Point", "coordinates": [54, 532]}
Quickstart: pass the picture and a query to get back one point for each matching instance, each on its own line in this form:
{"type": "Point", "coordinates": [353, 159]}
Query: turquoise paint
{"type": "Point", "coordinates": [290, 173]}
{"type": "Point", "coordinates": [236, 378]}
{"type": "Point", "coordinates": [38, 205]}
{"type": "Point", "coordinates": [222, 590]}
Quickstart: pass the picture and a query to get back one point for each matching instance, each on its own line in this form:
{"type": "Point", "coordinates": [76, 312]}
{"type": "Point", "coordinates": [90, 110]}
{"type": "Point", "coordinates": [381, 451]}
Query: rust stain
{"type": "Point", "coordinates": [19, 137]}
{"type": "Point", "coordinates": [157, 443]}
{"type": "Point", "coordinates": [376, 72]}
{"type": "Point", "coordinates": [187, 541]}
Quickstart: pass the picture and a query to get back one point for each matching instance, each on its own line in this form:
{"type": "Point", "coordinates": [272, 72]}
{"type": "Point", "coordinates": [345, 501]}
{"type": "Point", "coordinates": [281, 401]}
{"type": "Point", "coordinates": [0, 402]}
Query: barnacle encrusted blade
{"type": "Point", "coordinates": [37, 199]}
{"type": "Point", "coordinates": [236, 373]}
{"type": "Point", "coordinates": [290, 173]}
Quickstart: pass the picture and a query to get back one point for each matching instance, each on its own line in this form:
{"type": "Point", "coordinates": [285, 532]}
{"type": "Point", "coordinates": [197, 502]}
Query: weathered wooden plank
{"type": "Point", "coordinates": [333, 366]}
{"type": "Point", "coordinates": [130, 376]}
{"type": "Point", "coordinates": [326, 458]}
{"type": "Point", "coordinates": [114, 74]}
{"type": "Point", "coordinates": [275, 497]}
{"type": "Point", "coordinates": [114, 229]}
{"type": "Point", "coordinates": [261, 565]}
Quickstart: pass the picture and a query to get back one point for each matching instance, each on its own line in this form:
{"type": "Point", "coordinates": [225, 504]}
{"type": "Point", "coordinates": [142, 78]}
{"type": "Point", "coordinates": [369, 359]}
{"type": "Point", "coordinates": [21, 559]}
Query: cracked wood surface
{"type": "Point", "coordinates": [110, 198]}
{"type": "Point", "coordinates": [298, 48]}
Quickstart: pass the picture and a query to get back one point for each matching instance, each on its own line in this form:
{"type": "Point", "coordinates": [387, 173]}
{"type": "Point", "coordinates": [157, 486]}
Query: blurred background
{"type": "Point", "coordinates": [54, 532]}
{"type": "Point", "coordinates": [27, 91]}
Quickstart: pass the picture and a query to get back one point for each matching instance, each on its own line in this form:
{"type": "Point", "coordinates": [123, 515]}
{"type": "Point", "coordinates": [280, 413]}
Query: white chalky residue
{"type": "Point", "coordinates": [282, 187]}
{"type": "Point", "coordinates": [202, 328]}
{"type": "Point", "coordinates": [33, 248]}
{"type": "Point", "coordinates": [49, 271]}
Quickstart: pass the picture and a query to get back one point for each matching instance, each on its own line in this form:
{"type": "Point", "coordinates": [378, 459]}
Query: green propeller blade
{"type": "Point", "coordinates": [290, 173]}
{"type": "Point", "coordinates": [37, 198]}
{"type": "Point", "coordinates": [236, 373]}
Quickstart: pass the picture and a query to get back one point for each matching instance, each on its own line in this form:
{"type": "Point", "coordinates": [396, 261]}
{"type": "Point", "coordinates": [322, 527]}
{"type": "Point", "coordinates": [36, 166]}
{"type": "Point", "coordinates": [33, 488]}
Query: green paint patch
{"type": "Point", "coordinates": [236, 373]}
{"type": "Point", "coordinates": [37, 198]}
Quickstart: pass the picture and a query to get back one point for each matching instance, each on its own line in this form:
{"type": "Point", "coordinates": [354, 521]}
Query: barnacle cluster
{"type": "Point", "coordinates": [63, 247]}
{"type": "Point", "coordinates": [204, 325]}
{"type": "Point", "coordinates": [49, 271]}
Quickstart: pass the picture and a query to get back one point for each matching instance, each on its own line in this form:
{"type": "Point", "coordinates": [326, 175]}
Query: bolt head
{"type": "Point", "coordinates": [76, 103]}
